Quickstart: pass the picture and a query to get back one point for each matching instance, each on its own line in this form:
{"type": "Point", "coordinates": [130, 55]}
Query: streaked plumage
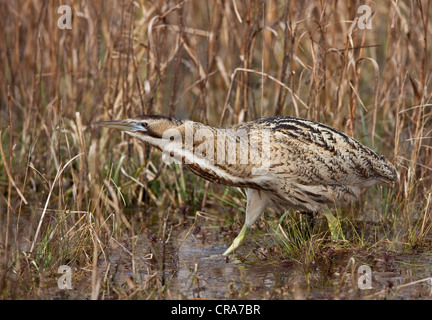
{"type": "Point", "coordinates": [311, 166]}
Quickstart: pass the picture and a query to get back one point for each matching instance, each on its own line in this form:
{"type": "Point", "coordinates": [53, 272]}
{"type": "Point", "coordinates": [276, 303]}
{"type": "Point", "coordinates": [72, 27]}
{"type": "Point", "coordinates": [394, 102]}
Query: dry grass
{"type": "Point", "coordinates": [64, 186]}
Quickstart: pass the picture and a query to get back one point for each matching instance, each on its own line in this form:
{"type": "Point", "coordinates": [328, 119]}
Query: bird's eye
{"type": "Point", "coordinates": [144, 124]}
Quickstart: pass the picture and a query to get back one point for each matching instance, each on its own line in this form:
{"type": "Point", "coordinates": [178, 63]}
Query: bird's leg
{"type": "Point", "coordinates": [256, 203]}
{"type": "Point", "coordinates": [237, 241]}
{"type": "Point", "coordinates": [334, 226]}
{"type": "Point", "coordinates": [310, 217]}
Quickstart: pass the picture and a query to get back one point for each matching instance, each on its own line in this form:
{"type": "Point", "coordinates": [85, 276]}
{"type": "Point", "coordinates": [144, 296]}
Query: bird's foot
{"type": "Point", "coordinates": [237, 241]}
{"type": "Point", "coordinates": [334, 226]}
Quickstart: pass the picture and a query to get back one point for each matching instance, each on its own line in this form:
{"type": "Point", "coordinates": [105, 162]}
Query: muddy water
{"type": "Point", "coordinates": [190, 265]}
{"type": "Point", "coordinates": [201, 271]}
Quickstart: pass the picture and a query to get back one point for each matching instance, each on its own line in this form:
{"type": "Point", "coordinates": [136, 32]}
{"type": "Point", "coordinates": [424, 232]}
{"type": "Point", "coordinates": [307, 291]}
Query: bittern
{"type": "Point", "coordinates": [284, 162]}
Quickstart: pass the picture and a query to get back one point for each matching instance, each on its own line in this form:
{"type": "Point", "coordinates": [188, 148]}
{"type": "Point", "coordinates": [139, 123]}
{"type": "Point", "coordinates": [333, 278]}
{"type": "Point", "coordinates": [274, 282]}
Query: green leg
{"type": "Point", "coordinates": [334, 226]}
{"type": "Point", "coordinates": [237, 241]}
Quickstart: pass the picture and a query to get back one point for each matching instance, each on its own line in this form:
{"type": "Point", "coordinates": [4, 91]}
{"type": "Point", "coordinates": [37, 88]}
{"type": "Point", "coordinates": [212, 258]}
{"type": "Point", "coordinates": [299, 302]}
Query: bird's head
{"type": "Point", "coordinates": [147, 128]}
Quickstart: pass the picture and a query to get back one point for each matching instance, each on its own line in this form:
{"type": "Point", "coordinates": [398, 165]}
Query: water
{"type": "Point", "coordinates": [191, 266]}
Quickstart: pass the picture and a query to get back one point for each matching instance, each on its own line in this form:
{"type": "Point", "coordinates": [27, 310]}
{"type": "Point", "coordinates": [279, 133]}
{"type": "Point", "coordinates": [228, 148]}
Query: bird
{"type": "Point", "coordinates": [282, 162]}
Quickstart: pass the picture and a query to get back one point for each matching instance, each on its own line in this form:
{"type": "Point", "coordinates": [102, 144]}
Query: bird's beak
{"type": "Point", "coordinates": [128, 125]}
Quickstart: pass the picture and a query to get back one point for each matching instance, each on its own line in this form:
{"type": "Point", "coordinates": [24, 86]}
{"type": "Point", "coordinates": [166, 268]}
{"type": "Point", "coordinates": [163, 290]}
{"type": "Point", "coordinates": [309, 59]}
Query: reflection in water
{"type": "Point", "coordinates": [196, 269]}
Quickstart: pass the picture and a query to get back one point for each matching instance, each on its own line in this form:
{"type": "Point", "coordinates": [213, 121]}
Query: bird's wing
{"type": "Point", "coordinates": [314, 154]}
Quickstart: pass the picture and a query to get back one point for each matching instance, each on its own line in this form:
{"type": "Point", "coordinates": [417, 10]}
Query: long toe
{"type": "Point", "coordinates": [237, 241]}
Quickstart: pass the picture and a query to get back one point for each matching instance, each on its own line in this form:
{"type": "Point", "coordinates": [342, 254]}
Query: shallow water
{"type": "Point", "coordinates": [196, 269]}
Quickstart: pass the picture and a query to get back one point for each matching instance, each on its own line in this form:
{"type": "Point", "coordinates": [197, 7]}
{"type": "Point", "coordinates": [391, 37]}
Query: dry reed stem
{"type": "Point", "coordinates": [59, 172]}
{"type": "Point", "coordinates": [264, 75]}
{"type": "Point", "coordinates": [8, 172]}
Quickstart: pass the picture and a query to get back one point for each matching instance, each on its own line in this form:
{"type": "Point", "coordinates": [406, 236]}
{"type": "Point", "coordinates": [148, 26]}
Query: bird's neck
{"type": "Point", "coordinates": [216, 154]}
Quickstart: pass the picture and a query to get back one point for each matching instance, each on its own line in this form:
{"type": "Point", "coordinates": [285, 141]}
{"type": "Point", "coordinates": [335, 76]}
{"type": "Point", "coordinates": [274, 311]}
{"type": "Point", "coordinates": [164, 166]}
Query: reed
{"type": "Point", "coordinates": [66, 188]}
